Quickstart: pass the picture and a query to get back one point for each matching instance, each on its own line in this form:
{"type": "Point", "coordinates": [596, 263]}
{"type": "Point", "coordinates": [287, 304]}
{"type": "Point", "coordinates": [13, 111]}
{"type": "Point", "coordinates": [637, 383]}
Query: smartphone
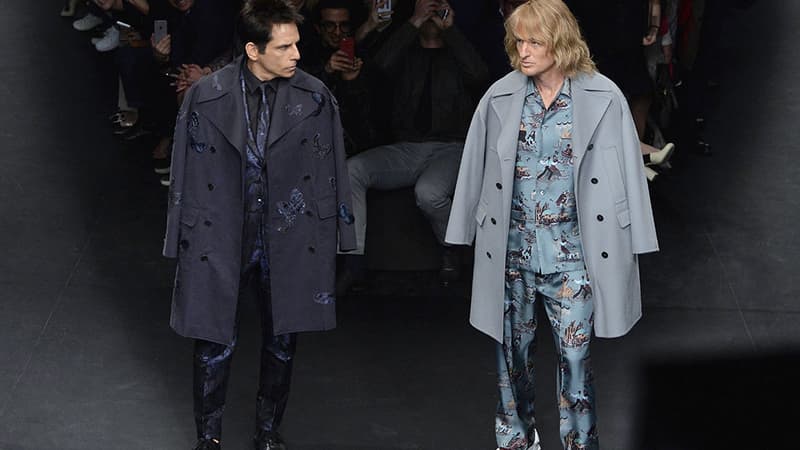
{"type": "Point", "coordinates": [444, 13]}
{"type": "Point", "coordinates": [385, 11]}
{"type": "Point", "coordinates": [348, 45]}
{"type": "Point", "coordinates": [159, 30]}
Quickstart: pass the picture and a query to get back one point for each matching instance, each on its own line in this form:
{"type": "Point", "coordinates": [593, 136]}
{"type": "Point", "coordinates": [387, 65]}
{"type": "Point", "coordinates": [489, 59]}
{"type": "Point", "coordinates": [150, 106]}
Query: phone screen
{"type": "Point", "coordinates": [385, 9]}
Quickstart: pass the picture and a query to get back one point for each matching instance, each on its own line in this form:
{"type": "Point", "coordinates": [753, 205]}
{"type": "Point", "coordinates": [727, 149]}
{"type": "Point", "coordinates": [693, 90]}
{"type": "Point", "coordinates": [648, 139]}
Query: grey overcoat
{"type": "Point", "coordinates": [613, 202]}
{"type": "Point", "coordinates": [309, 201]}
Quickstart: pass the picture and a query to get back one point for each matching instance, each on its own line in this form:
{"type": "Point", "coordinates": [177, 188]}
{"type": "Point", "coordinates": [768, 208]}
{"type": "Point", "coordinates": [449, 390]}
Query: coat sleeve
{"type": "Point", "coordinates": [643, 229]}
{"type": "Point", "coordinates": [344, 197]}
{"type": "Point", "coordinates": [461, 226]}
{"type": "Point", "coordinates": [177, 171]}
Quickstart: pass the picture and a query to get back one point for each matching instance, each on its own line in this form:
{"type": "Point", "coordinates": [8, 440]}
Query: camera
{"type": "Point", "coordinates": [443, 13]}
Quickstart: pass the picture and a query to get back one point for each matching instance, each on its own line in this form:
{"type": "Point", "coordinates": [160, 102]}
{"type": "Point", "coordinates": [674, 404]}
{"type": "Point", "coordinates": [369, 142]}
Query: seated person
{"type": "Point", "coordinates": [199, 41]}
{"type": "Point", "coordinates": [343, 73]}
{"type": "Point", "coordinates": [433, 71]}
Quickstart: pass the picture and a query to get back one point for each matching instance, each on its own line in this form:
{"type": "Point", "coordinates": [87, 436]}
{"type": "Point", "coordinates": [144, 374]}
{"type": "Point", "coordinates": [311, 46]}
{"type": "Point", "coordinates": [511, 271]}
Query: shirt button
{"type": "Point", "coordinates": [210, 187]}
{"type": "Point", "coordinates": [260, 200]}
{"type": "Point", "coordinates": [600, 217]}
{"type": "Point", "coordinates": [604, 255]}
{"type": "Point", "coordinates": [594, 180]}
{"type": "Point", "coordinates": [499, 186]}
{"type": "Point", "coordinates": [590, 146]}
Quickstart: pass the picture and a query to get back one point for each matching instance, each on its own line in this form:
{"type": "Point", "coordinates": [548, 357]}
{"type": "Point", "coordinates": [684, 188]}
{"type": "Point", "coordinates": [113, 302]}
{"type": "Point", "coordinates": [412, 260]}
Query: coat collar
{"type": "Point", "coordinates": [219, 99]}
{"type": "Point", "coordinates": [591, 95]}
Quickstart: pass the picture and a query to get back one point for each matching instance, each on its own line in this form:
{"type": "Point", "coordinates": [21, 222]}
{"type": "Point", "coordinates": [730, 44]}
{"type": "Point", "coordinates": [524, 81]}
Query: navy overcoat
{"type": "Point", "coordinates": [309, 206]}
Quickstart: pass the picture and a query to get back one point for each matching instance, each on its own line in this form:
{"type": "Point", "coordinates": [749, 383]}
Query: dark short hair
{"type": "Point", "coordinates": [332, 4]}
{"type": "Point", "coordinates": [258, 16]}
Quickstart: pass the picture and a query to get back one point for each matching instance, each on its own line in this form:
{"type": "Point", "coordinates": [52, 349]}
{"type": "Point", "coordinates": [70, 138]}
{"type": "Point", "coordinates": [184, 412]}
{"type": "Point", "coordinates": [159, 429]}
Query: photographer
{"type": "Point", "coordinates": [434, 72]}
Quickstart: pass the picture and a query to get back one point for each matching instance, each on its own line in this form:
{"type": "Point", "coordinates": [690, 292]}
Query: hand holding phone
{"type": "Point", "coordinates": [348, 46]}
{"type": "Point", "coordinates": [384, 9]}
{"type": "Point", "coordinates": [159, 30]}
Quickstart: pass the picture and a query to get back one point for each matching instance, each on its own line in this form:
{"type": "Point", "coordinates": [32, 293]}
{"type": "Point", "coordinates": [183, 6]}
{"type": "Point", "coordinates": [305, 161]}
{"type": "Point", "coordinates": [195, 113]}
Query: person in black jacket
{"type": "Point", "coordinates": [434, 72]}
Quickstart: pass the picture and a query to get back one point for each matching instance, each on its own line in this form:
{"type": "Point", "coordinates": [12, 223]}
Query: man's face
{"type": "Point", "coordinates": [535, 58]}
{"type": "Point", "coordinates": [182, 5]}
{"type": "Point", "coordinates": [280, 56]}
{"type": "Point", "coordinates": [334, 24]}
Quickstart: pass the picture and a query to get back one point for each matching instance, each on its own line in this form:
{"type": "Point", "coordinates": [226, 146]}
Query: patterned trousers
{"type": "Point", "coordinates": [568, 303]}
{"type": "Point", "coordinates": [212, 366]}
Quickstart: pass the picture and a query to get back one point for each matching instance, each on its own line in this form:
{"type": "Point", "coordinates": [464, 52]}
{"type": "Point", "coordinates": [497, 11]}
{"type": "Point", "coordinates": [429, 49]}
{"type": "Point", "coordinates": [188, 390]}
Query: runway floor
{"type": "Point", "coordinates": [88, 362]}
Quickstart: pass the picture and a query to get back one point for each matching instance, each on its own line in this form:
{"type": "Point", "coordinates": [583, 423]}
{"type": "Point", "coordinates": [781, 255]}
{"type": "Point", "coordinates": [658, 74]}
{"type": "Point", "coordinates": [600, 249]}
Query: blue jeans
{"type": "Point", "coordinates": [431, 167]}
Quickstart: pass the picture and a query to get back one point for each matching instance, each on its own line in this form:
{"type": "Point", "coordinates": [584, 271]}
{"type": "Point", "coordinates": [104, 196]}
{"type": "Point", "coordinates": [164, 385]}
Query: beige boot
{"type": "Point", "coordinates": [650, 174]}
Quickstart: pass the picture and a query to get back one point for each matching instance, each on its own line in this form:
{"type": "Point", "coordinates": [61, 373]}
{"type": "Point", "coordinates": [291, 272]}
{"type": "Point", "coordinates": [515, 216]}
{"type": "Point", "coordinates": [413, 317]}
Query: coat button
{"type": "Point", "coordinates": [594, 180]}
{"type": "Point", "coordinates": [590, 146]}
{"type": "Point", "coordinates": [213, 149]}
{"type": "Point", "coordinates": [308, 213]}
{"type": "Point", "coordinates": [499, 186]}
{"type": "Point", "coordinates": [494, 222]}
{"type": "Point", "coordinates": [600, 217]}
{"type": "Point", "coordinates": [210, 187]}
{"type": "Point", "coordinates": [204, 258]}
{"type": "Point", "coordinates": [184, 244]}
{"type": "Point", "coordinates": [604, 255]}
{"type": "Point", "coordinates": [489, 255]}
{"type": "Point", "coordinates": [207, 223]}
{"type": "Point", "coordinates": [306, 177]}
{"type": "Point", "coordinates": [311, 249]}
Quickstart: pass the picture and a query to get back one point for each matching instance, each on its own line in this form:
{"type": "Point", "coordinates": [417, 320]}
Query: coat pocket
{"type": "Point", "coordinates": [326, 207]}
{"type": "Point", "coordinates": [623, 213]}
{"type": "Point", "coordinates": [480, 215]}
{"type": "Point", "coordinates": [614, 173]}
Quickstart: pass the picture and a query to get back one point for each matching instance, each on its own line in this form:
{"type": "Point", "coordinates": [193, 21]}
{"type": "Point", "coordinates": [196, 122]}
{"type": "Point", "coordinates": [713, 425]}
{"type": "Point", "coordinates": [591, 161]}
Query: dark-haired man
{"type": "Point", "coordinates": [343, 72]}
{"type": "Point", "coordinates": [259, 193]}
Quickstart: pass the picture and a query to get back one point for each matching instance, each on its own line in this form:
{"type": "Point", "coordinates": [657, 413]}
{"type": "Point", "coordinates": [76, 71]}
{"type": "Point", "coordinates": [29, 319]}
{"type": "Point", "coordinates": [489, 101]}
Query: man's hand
{"type": "Point", "coordinates": [448, 20]}
{"type": "Point", "coordinates": [348, 68]}
{"type": "Point", "coordinates": [162, 48]}
{"type": "Point", "coordinates": [423, 10]}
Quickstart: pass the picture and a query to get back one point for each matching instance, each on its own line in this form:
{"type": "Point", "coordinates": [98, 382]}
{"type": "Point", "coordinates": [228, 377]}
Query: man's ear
{"type": "Point", "coordinates": [251, 51]}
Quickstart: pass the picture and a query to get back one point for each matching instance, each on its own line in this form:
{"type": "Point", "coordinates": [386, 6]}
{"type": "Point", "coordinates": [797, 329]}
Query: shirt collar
{"type": "Point", "coordinates": [566, 89]}
{"type": "Point", "coordinates": [252, 83]}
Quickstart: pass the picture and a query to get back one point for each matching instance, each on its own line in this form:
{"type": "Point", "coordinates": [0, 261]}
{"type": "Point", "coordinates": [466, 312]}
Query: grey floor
{"type": "Point", "coordinates": [87, 360]}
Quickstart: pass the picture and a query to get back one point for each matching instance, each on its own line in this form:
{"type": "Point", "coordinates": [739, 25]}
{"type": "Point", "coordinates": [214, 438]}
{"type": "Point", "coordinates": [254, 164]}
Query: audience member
{"type": "Point", "coordinates": [342, 70]}
{"type": "Point", "coordinates": [433, 71]}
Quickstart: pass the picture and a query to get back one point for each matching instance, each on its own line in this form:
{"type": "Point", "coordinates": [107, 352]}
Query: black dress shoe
{"type": "Point", "coordinates": [207, 444]}
{"type": "Point", "coordinates": [451, 264]}
{"type": "Point", "coordinates": [270, 442]}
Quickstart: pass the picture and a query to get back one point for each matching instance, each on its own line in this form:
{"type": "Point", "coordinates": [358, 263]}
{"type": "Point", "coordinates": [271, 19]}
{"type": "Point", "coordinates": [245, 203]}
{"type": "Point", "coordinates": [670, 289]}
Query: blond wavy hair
{"type": "Point", "coordinates": [552, 22]}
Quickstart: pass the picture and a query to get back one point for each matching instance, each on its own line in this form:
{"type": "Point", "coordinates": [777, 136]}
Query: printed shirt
{"type": "Point", "coordinates": [543, 205]}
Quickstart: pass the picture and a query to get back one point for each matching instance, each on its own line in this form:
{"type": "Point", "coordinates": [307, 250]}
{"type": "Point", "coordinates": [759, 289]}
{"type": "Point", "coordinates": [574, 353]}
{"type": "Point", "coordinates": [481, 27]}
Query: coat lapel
{"type": "Point", "coordinates": [295, 101]}
{"type": "Point", "coordinates": [507, 105]}
{"type": "Point", "coordinates": [222, 104]}
{"type": "Point", "coordinates": [590, 100]}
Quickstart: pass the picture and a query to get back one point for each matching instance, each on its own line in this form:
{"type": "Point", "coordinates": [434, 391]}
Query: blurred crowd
{"type": "Point", "coordinates": [407, 75]}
